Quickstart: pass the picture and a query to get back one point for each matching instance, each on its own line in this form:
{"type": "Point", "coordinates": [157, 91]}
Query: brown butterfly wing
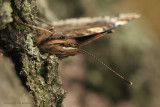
{"type": "Point", "coordinates": [71, 31]}
{"type": "Point", "coordinates": [68, 37]}
{"type": "Point", "coordinates": [79, 27]}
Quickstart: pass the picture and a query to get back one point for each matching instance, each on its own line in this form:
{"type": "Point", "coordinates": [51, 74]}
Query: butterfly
{"type": "Point", "coordinates": [70, 35]}
{"type": "Point", "coordinates": [67, 37]}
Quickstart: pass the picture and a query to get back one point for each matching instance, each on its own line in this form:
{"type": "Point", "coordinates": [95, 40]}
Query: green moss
{"type": "Point", "coordinates": [26, 8]}
{"type": "Point", "coordinates": [32, 51]}
{"type": "Point", "coordinates": [18, 4]}
{"type": "Point", "coordinates": [39, 85]}
{"type": "Point", "coordinates": [5, 14]}
{"type": "Point", "coordinates": [20, 26]}
{"type": "Point", "coordinates": [45, 90]}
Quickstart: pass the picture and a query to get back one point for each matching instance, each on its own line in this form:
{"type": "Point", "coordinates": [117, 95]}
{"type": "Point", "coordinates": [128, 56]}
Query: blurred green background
{"type": "Point", "coordinates": [133, 51]}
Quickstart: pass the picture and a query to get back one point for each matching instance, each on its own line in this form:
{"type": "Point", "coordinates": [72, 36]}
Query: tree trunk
{"type": "Point", "coordinates": [37, 72]}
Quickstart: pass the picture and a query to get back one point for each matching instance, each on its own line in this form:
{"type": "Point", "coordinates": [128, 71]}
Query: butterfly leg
{"type": "Point", "coordinates": [39, 28]}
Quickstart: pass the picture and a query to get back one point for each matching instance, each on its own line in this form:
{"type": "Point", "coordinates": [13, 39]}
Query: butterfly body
{"type": "Point", "coordinates": [67, 43]}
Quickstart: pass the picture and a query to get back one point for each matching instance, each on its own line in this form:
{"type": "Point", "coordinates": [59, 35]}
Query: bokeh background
{"type": "Point", "coordinates": [133, 51]}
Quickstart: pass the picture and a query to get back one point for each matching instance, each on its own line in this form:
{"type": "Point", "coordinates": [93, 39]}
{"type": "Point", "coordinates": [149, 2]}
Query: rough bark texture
{"type": "Point", "coordinates": [37, 72]}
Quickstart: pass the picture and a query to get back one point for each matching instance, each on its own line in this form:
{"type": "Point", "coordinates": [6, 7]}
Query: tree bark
{"type": "Point", "coordinates": [37, 72]}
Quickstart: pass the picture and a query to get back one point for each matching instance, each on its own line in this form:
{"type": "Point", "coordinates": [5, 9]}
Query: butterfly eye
{"type": "Point", "coordinates": [70, 42]}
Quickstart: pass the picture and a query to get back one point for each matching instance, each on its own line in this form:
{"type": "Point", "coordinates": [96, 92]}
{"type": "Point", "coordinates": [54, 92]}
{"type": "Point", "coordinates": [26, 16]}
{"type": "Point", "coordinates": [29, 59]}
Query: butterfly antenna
{"type": "Point", "coordinates": [129, 82]}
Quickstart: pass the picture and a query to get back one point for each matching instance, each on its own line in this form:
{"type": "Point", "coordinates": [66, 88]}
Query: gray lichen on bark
{"type": "Point", "coordinates": [38, 72]}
